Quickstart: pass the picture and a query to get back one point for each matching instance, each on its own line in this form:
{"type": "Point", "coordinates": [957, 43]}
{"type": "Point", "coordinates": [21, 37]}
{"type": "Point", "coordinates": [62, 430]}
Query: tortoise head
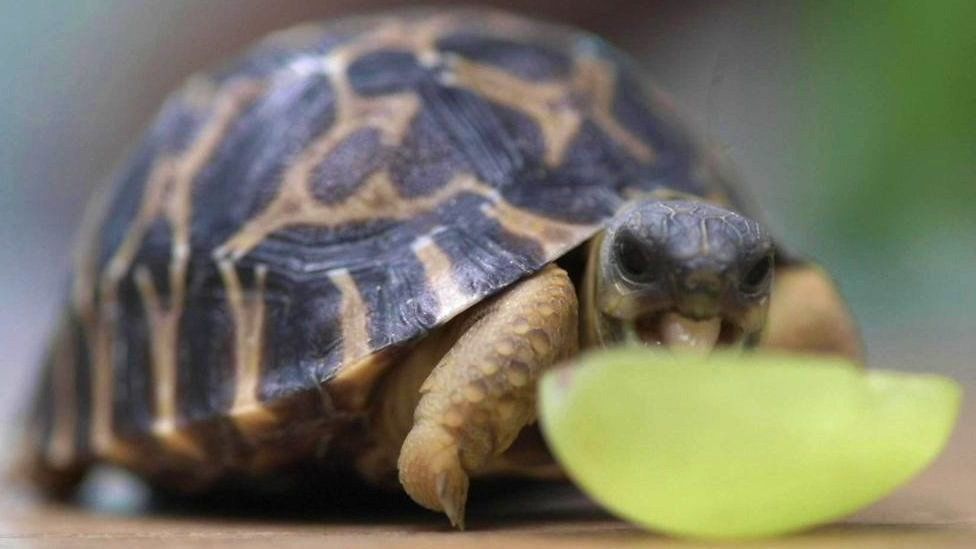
{"type": "Point", "coordinates": [678, 273]}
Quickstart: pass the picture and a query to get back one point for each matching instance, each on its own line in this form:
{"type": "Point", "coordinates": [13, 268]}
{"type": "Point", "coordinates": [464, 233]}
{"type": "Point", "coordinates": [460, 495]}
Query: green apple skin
{"type": "Point", "coordinates": [740, 446]}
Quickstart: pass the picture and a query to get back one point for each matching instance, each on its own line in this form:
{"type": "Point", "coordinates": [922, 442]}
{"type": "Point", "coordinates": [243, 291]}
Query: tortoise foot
{"type": "Point", "coordinates": [431, 471]}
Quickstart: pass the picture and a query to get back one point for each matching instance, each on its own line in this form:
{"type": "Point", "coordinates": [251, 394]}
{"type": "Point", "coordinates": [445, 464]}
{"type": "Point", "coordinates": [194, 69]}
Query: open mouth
{"type": "Point", "coordinates": [675, 331]}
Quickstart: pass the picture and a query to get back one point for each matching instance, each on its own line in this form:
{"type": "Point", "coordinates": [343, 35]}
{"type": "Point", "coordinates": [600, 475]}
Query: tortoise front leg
{"type": "Point", "coordinates": [482, 392]}
{"type": "Point", "coordinates": [807, 314]}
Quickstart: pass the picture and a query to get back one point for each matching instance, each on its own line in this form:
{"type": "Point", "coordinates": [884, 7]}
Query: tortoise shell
{"type": "Point", "coordinates": [287, 223]}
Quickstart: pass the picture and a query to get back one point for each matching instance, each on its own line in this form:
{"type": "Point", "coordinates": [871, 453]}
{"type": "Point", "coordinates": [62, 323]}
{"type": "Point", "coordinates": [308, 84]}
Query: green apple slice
{"type": "Point", "coordinates": [740, 446]}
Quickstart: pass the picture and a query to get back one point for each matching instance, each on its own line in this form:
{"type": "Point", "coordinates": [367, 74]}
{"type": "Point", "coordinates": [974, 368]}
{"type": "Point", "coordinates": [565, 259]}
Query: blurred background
{"type": "Point", "coordinates": [853, 123]}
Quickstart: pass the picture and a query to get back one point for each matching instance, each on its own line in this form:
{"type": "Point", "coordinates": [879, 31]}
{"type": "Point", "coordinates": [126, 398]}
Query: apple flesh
{"type": "Point", "coordinates": [740, 446]}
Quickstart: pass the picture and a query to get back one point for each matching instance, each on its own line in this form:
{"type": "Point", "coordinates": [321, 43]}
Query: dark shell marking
{"type": "Point", "coordinates": [339, 191]}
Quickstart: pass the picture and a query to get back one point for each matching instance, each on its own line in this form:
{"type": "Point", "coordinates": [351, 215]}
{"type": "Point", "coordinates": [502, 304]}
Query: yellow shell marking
{"type": "Point", "coordinates": [551, 105]}
{"type": "Point", "coordinates": [547, 103]}
{"type": "Point", "coordinates": [389, 114]}
{"type": "Point", "coordinates": [355, 319]}
{"type": "Point", "coordinates": [440, 275]}
{"type": "Point", "coordinates": [176, 204]}
{"type": "Point", "coordinates": [549, 234]}
{"type": "Point", "coordinates": [597, 79]}
{"type": "Point", "coordinates": [167, 194]}
{"type": "Point", "coordinates": [248, 311]}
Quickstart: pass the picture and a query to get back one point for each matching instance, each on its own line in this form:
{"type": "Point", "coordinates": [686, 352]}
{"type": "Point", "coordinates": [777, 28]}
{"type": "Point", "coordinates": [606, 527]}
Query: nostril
{"type": "Point", "coordinates": [757, 275]}
{"type": "Point", "coordinates": [632, 258]}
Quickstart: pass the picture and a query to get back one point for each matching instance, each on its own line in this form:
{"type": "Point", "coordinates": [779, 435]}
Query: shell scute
{"type": "Point", "coordinates": [386, 72]}
{"type": "Point", "coordinates": [352, 160]}
{"type": "Point", "coordinates": [531, 61]}
{"type": "Point", "coordinates": [426, 160]}
{"type": "Point", "coordinates": [269, 134]}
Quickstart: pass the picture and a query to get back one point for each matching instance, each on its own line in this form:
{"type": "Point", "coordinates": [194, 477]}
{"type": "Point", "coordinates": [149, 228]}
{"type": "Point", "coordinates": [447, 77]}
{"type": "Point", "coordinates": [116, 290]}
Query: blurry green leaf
{"type": "Point", "coordinates": [890, 138]}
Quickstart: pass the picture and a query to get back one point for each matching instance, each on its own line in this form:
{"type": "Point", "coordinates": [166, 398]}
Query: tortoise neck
{"type": "Point", "coordinates": [589, 315]}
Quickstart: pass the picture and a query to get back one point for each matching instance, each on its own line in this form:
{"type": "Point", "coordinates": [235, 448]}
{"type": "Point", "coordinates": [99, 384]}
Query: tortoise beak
{"type": "Point", "coordinates": [674, 331]}
{"type": "Point", "coordinates": [681, 333]}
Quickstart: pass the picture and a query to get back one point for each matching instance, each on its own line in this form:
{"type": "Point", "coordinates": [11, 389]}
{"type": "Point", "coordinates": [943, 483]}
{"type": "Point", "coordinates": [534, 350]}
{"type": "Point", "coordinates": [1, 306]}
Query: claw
{"type": "Point", "coordinates": [452, 490]}
{"type": "Point", "coordinates": [431, 472]}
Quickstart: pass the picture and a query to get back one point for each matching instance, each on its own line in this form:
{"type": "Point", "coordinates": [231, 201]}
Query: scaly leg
{"type": "Point", "coordinates": [482, 392]}
{"type": "Point", "coordinates": [808, 314]}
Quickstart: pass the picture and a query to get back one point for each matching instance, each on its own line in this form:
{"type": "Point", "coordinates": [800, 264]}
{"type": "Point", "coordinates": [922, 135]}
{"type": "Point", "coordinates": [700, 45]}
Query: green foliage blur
{"type": "Point", "coordinates": [891, 133]}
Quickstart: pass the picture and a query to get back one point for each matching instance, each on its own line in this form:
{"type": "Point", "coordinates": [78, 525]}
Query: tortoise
{"type": "Point", "coordinates": [362, 243]}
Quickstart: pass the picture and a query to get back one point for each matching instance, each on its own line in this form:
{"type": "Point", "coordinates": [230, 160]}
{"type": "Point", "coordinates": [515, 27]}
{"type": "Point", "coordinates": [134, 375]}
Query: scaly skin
{"type": "Point", "coordinates": [482, 393]}
{"type": "Point", "coordinates": [807, 314]}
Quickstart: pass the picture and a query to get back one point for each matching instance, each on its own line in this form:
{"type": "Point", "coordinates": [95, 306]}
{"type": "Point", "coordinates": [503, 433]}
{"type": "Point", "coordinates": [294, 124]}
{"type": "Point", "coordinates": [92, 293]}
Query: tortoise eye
{"type": "Point", "coordinates": [757, 275]}
{"type": "Point", "coordinates": [633, 260]}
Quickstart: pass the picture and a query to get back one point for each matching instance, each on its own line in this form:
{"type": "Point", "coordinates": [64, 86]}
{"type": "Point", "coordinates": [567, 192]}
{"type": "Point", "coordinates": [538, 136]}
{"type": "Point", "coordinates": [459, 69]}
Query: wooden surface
{"type": "Point", "coordinates": [937, 509]}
